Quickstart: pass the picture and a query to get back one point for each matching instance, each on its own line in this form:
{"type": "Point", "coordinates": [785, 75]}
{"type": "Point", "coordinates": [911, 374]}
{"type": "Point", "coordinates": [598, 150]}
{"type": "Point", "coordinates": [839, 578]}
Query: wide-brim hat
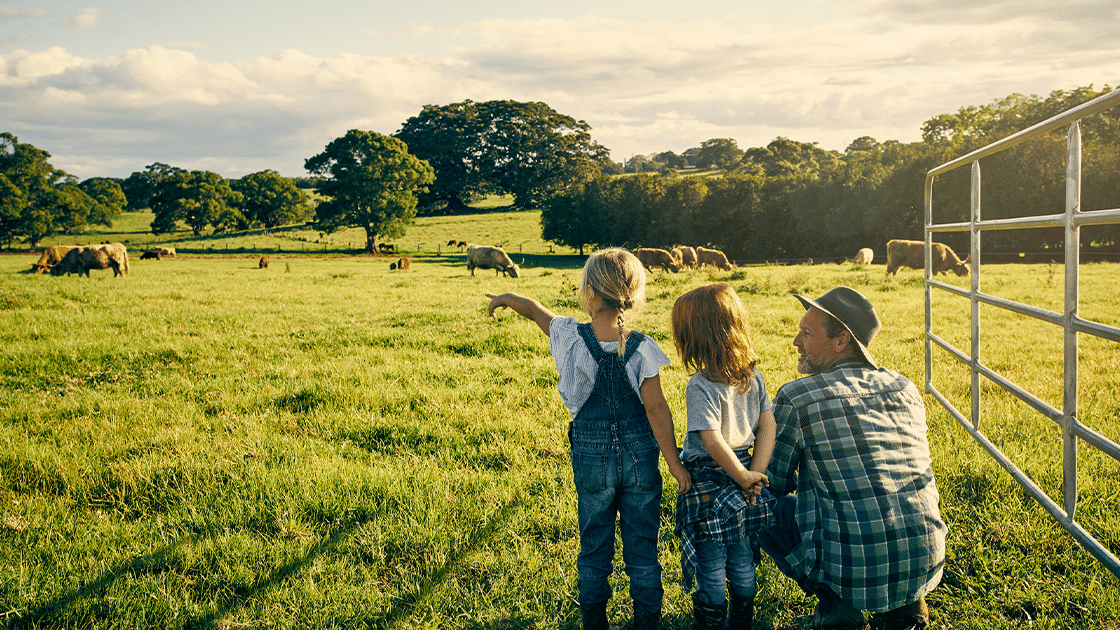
{"type": "Point", "coordinates": [854, 311]}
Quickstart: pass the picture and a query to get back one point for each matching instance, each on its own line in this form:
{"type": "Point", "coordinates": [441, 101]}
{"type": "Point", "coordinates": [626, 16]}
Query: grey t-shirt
{"type": "Point", "coordinates": [714, 406]}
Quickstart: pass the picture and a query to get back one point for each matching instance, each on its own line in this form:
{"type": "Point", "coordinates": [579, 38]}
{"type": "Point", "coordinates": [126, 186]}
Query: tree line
{"type": "Point", "coordinates": [789, 199]}
{"type": "Point", "coordinates": [792, 199]}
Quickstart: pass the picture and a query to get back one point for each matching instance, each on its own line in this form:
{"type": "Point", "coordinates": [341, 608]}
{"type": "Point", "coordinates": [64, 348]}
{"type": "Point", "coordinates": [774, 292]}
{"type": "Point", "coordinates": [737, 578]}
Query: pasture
{"type": "Point", "coordinates": [330, 444]}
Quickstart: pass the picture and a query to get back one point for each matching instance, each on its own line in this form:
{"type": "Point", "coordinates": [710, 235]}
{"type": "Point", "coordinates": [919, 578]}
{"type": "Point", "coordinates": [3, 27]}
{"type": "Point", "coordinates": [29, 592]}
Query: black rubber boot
{"type": "Point", "coordinates": [707, 616]}
{"type": "Point", "coordinates": [740, 613]}
{"type": "Point", "coordinates": [645, 620]}
{"type": "Point", "coordinates": [594, 616]}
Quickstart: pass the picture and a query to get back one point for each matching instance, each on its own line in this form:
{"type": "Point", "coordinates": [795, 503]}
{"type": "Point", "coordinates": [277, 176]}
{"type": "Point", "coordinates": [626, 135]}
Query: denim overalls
{"type": "Point", "coordinates": [614, 463]}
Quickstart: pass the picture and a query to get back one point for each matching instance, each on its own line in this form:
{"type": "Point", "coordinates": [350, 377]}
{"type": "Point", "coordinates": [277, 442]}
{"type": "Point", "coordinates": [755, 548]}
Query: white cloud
{"type": "Point", "coordinates": [9, 14]}
{"type": "Point", "coordinates": [644, 85]}
{"type": "Point", "coordinates": [87, 18]}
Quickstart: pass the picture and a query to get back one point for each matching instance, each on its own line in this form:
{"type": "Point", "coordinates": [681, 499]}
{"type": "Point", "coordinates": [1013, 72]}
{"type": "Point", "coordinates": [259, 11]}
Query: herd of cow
{"type": "Point", "coordinates": [79, 259]}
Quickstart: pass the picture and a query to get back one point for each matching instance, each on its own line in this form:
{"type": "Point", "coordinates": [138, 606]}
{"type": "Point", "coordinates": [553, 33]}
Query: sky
{"type": "Point", "coordinates": [108, 87]}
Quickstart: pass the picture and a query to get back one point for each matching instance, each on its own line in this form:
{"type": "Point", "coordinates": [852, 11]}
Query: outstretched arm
{"type": "Point", "coordinates": [523, 306]}
{"type": "Point", "coordinates": [661, 421]}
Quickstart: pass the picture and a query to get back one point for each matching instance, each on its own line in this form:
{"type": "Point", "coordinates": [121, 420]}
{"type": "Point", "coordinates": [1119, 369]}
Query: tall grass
{"type": "Point", "coordinates": [328, 443]}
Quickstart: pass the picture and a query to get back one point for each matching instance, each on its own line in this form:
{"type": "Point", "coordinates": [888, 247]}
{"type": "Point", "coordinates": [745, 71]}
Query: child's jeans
{"type": "Point", "coordinates": [626, 483]}
{"type": "Point", "coordinates": [720, 564]}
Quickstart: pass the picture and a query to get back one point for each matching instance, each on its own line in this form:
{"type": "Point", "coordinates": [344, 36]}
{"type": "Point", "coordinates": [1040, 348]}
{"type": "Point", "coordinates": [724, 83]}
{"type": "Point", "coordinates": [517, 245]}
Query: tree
{"type": "Point", "coordinates": [449, 139]}
{"type": "Point", "coordinates": [576, 217]}
{"type": "Point", "coordinates": [12, 202]}
{"type": "Point", "coordinates": [719, 153]}
{"type": "Point", "coordinates": [527, 150]}
{"type": "Point", "coordinates": [197, 198]}
{"type": "Point", "coordinates": [269, 199]}
{"type": "Point", "coordinates": [372, 181]}
{"type": "Point", "coordinates": [47, 197]}
{"type": "Point", "coordinates": [139, 187]}
{"type": "Point", "coordinates": [108, 197]}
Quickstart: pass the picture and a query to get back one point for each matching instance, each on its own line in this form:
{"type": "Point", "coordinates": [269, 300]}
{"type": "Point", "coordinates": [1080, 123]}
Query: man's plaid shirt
{"type": "Point", "coordinates": [852, 442]}
{"type": "Point", "coordinates": [715, 509]}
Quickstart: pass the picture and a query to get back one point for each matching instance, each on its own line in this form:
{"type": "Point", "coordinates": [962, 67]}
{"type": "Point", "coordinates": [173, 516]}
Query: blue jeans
{"type": "Point", "coordinates": [781, 540]}
{"type": "Point", "coordinates": [720, 564]}
{"type": "Point", "coordinates": [625, 482]}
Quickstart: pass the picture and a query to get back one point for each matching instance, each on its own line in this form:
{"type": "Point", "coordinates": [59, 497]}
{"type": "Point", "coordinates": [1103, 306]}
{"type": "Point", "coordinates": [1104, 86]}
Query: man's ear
{"type": "Point", "coordinates": [842, 342]}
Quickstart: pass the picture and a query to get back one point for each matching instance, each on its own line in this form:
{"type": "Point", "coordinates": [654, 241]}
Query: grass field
{"type": "Point", "coordinates": [327, 443]}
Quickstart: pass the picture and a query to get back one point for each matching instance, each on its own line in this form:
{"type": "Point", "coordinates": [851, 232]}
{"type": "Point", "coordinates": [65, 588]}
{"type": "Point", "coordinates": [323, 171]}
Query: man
{"type": "Point", "coordinates": [863, 532]}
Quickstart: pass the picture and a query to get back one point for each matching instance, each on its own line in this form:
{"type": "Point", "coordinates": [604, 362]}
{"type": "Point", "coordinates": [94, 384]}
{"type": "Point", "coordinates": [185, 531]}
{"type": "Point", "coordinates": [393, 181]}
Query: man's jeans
{"type": "Point", "coordinates": [720, 564]}
{"type": "Point", "coordinates": [781, 539]}
{"type": "Point", "coordinates": [626, 483]}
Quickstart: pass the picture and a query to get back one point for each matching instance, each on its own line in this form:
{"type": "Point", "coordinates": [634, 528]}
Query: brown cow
{"type": "Point", "coordinates": [486, 257]}
{"type": "Point", "coordinates": [262, 263]}
{"type": "Point", "coordinates": [80, 260]}
{"type": "Point", "coordinates": [51, 257]}
{"type": "Point", "coordinates": [151, 254]}
{"type": "Point", "coordinates": [713, 257]}
{"type": "Point", "coordinates": [651, 258]}
{"type": "Point", "coordinates": [687, 255]}
{"type": "Point", "coordinates": [863, 257]}
{"type": "Point", "coordinates": [911, 254]}
{"type": "Point", "coordinates": [403, 263]}
{"type": "Point", "coordinates": [165, 251]}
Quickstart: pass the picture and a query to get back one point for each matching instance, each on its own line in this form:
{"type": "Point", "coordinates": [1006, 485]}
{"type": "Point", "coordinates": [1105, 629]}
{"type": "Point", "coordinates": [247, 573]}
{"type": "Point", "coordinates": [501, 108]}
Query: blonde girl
{"type": "Point", "coordinates": [718, 519]}
{"type": "Point", "coordinates": [609, 379]}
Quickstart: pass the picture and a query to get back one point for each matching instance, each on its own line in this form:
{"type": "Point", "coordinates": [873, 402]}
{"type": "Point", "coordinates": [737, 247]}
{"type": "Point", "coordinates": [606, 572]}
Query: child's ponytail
{"type": "Point", "coordinates": [621, 338]}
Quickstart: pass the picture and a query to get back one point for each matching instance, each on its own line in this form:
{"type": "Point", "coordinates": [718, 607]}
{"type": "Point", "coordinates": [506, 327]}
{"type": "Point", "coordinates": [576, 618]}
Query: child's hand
{"type": "Point", "coordinates": [756, 481]}
{"type": "Point", "coordinates": [684, 480]}
{"type": "Point", "coordinates": [496, 302]}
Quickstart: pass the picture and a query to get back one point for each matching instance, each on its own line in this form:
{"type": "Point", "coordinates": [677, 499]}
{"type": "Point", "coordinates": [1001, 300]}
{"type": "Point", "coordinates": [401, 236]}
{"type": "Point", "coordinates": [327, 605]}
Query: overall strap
{"type": "Point", "coordinates": [588, 335]}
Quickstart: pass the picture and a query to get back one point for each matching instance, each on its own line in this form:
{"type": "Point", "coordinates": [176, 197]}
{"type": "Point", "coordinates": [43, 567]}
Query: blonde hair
{"type": "Point", "coordinates": [713, 336]}
{"type": "Point", "coordinates": [617, 278]}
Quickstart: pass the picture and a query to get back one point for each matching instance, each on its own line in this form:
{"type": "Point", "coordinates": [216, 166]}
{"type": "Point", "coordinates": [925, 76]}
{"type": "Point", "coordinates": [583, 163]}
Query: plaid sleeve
{"type": "Point", "coordinates": [788, 443]}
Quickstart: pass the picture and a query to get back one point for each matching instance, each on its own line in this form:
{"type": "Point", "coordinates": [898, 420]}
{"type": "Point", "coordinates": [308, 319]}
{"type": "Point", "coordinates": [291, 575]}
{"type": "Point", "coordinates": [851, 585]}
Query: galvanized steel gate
{"type": "Point", "coordinates": [1073, 325]}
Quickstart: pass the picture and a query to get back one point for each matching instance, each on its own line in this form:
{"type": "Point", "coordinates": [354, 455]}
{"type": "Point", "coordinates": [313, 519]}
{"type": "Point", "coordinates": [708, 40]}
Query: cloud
{"type": "Point", "coordinates": [643, 85]}
{"type": "Point", "coordinates": [8, 14]}
{"type": "Point", "coordinates": [86, 18]}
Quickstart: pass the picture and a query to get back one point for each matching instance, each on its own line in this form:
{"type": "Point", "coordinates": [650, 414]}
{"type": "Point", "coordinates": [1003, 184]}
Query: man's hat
{"type": "Point", "coordinates": [852, 310]}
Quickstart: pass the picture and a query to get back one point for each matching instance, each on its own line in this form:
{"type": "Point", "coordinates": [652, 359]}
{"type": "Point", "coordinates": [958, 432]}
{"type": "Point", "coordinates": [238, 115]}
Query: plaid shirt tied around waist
{"type": "Point", "coordinates": [715, 509]}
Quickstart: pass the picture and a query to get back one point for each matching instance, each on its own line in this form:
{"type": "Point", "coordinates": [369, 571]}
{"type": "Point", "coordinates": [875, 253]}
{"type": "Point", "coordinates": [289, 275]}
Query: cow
{"type": "Point", "coordinates": [911, 254]}
{"type": "Point", "coordinates": [651, 258]}
{"type": "Point", "coordinates": [863, 257]}
{"type": "Point", "coordinates": [403, 263]}
{"type": "Point", "coordinates": [80, 260]}
{"type": "Point", "coordinates": [452, 243]}
{"type": "Point", "coordinates": [686, 254]}
{"type": "Point", "coordinates": [486, 257]}
{"type": "Point", "coordinates": [386, 247]}
{"type": "Point", "coordinates": [51, 256]}
{"type": "Point", "coordinates": [713, 257]}
{"type": "Point", "coordinates": [262, 263]}
{"type": "Point", "coordinates": [462, 244]}
{"type": "Point", "coordinates": [165, 251]}
{"type": "Point", "coordinates": [152, 254]}
{"type": "Point", "coordinates": [392, 266]}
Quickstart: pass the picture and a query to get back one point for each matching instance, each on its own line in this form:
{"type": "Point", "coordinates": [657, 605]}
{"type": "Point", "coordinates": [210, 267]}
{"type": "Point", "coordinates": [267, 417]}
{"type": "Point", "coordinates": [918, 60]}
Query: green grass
{"type": "Point", "coordinates": [327, 443]}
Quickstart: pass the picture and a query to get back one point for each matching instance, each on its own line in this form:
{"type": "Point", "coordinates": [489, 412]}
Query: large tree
{"type": "Point", "coordinates": [197, 198]}
{"type": "Point", "coordinates": [527, 150]}
{"type": "Point", "coordinates": [372, 182]}
{"type": "Point", "coordinates": [108, 197]}
{"type": "Point", "coordinates": [270, 199]}
{"type": "Point", "coordinates": [50, 200]}
{"type": "Point", "coordinates": [719, 153]}
{"type": "Point", "coordinates": [140, 186]}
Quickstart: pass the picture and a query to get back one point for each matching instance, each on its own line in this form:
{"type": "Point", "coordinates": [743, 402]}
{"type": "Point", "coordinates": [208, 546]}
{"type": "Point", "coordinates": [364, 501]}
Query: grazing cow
{"type": "Point", "coordinates": [686, 254]}
{"type": "Point", "coordinates": [151, 254]}
{"type": "Point", "coordinates": [392, 266]}
{"type": "Point", "coordinates": [80, 260]}
{"type": "Point", "coordinates": [912, 254]}
{"type": "Point", "coordinates": [263, 263]}
{"type": "Point", "coordinates": [713, 257]}
{"type": "Point", "coordinates": [165, 251]}
{"type": "Point", "coordinates": [651, 258]}
{"type": "Point", "coordinates": [863, 257]}
{"type": "Point", "coordinates": [462, 244]}
{"type": "Point", "coordinates": [403, 263]}
{"type": "Point", "coordinates": [452, 243]}
{"type": "Point", "coordinates": [386, 247]}
{"type": "Point", "coordinates": [486, 257]}
{"type": "Point", "coordinates": [51, 257]}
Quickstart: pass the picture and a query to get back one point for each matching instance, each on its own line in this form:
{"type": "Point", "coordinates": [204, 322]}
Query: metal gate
{"type": "Point", "coordinates": [1073, 325]}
